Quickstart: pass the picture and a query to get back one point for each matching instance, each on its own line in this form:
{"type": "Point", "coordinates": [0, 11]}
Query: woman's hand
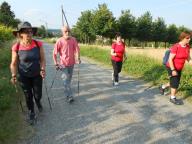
{"type": "Point", "coordinates": [42, 73]}
{"type": "Point", "coordinates": [14, 80]}
{"type": "Point", "coordinates": [174, 73]}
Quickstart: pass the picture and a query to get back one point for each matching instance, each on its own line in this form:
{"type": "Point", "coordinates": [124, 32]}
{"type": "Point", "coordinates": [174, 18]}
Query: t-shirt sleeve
{"type": "Point", "coordinates": [174, 49]}
{"type": "Point", "coordinates": [15, 47]}
{"type": "Point", "coordinates": [113, 46]}
{"type": "Point", "coordinates": [40, 44]}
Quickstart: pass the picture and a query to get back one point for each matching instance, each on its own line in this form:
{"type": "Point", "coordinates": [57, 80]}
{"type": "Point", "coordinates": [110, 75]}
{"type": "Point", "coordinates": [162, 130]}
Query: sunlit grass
{"type": "Point", "coordinates": [144, 67]}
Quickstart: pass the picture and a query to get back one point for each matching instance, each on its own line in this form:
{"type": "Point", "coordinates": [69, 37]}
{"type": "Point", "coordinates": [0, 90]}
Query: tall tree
{"type": "Point", "coordinates": [159, 31]}
{"type": "Point", "coordinates": [126, 24]}
{"type": "Point", "coordinates": [144, 27]}
{"type": "Point", "coordinates": [7, 17]}
{"type": "Point", "coordinates": [104, 21]}
{"type": "Point", "coordinates": [172, 34]}
{"type": "Point", "coordinates": [84, 26]}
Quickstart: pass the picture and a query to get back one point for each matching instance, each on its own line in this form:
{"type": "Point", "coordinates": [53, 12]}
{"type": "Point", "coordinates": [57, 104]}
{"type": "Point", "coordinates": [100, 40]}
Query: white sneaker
{"type": "Point", "coordinates": [116, 83]}
{"type": "Point", "coordinates": [112, 76]}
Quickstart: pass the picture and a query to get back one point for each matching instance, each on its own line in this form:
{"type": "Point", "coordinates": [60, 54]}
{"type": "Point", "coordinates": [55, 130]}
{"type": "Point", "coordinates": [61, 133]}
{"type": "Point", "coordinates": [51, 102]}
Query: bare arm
{"type": "Point", "coordinates": [42, 62]}
{"type": "Point", "coordinates": [42, 58]}
{"type": "Point", "coordinates": [13, 66]}
{"type": "Point", "coordinates": [189, 60]}
{"type": "Point", "coordinates": [113, 52]}
{"type": "Point", "coordinates": [171, 57]}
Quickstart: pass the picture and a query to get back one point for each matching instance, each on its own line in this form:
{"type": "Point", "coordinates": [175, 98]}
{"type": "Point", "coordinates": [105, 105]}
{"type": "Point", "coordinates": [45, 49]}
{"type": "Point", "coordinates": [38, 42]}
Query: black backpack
{"type": "Point", "coordinates": [166, 56]}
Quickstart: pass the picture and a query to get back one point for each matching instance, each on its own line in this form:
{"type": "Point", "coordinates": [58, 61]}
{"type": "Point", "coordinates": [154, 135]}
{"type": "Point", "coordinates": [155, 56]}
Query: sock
{"type": "Point", "coordinates": [172, 97]}
{"type": "Point", "coordinates": [163, 87]}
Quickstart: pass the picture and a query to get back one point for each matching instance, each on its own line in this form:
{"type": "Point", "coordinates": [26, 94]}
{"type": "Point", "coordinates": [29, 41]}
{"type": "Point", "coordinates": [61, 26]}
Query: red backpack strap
{"type": "Point", "coordinates": [36, 43]}
{"type": "Point", "coordinates": [17, 46]}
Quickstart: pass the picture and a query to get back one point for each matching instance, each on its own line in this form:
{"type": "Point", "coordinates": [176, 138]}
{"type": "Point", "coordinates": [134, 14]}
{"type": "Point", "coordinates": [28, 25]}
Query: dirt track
{"type": "Point", "coordinates": [102, 114]}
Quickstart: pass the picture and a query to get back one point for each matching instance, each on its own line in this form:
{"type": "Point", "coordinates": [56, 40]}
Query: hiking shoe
{"type": "Point", "coordinates": [32, 118]}
{"type": "Point", "coordinates": [175, 101]}
{"type": "Point", "coordinates": [70, 99]}
{"type": "Point", "coordinates": [116, 83]}
{"type": "Point", "coordinates": [161, 90]}
{"type": "Point", "coordinates": [39, 106]}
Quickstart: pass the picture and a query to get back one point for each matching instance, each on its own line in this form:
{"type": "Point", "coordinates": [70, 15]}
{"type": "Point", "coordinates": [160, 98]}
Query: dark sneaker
{"type": "Point", "coordinates": [175, 101]}
{"type": "Point", "coordinates": [70, 99]}
{"type": "Point", "coordinates": [32, 118]}
{"type": "Point", "coordinates": [161, 90]}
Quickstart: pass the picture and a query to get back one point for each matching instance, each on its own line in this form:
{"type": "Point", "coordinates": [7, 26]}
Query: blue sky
{"type": "Point", "coordinates": [40, 12]}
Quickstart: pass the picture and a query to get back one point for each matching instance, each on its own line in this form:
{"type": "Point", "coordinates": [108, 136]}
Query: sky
{"type": "Point", "coordinates": [48, 12]}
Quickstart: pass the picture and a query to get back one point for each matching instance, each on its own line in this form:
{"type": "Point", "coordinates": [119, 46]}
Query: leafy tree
{"type": "Point", "coordinates": [183, 29]}
{"type": "Point", "coordinates": [7, 17]}
{"type": "Point", "coordinates": [159, 31]}
{"type": "Point", "coordinates": [103, 21]}
{"type": "Point", "coordinates": [84, 26]}
{"type": "Point", "coordinates": [42, 32]}
{"type": "Point", "coordinates": [144, 27]}
{"type": "Point", "coordinates": [126, 25]}
{"type": "Point", "coordinates": [172, 34]}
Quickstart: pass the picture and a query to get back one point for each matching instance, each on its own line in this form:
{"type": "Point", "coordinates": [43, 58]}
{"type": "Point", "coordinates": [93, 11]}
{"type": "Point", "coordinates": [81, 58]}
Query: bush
{"type": "Point", "coordinates": [5, 33]}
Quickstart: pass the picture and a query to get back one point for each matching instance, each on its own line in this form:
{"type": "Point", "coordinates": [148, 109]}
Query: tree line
{"type": "Point", "coordinates": [140, 31]}
{"type": "Point", "coordinates": [9, 21]}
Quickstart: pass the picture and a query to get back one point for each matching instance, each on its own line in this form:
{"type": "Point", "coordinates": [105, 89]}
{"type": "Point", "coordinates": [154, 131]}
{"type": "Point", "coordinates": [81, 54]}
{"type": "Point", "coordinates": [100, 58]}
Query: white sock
{"type": "Point", "coordinates": [172, 97]}
{"type": "Point", "coordinates": [163, 87]}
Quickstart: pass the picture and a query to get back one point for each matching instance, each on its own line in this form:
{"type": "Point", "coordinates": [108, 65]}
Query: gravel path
{"type": "Point", "coordinates": [132, 113]}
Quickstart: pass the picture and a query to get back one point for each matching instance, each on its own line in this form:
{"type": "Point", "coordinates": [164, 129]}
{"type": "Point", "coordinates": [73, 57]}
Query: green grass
{"type": "Point", "coordinates": [146, 68]}
{"type": "Point", "coordinates": [11, 119]}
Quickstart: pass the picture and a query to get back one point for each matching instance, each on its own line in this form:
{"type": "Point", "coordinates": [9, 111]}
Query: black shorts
{"type": "Point", "coordinates": [174, 80]}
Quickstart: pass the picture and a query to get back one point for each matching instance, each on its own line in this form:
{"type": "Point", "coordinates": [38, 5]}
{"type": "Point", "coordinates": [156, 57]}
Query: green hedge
{"type": "Point", "coordinates": [143, 67]}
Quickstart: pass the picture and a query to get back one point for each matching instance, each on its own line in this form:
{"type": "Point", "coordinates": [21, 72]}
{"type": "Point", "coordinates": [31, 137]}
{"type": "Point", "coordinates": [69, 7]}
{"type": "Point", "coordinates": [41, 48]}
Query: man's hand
{"type": "Point", "coordinates": [57, 67]}
{"type": "Point", "coordinates": [79, 61]}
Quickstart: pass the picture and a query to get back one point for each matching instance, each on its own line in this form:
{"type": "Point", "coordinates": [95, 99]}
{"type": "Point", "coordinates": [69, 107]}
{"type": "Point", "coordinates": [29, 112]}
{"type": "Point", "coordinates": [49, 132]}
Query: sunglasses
{"type": "Point", "coordinates": [27, 31]}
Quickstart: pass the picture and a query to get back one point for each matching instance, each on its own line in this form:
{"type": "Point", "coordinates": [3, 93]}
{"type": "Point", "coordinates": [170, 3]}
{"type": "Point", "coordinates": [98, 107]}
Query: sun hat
{"type": "Point", "coordinates": [24, 25]}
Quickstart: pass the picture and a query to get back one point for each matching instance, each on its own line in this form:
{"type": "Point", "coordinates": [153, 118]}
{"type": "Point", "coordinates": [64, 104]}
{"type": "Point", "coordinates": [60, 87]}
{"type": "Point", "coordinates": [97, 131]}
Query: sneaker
{"type": "Point", "coordinates": [39, 106]}
{"type": "Point", "coordinates": [112, 76]}
{"type": "Point", "coordinates": [162, 91]}
{"type": "Point", "coordinates": [175, 101]}
{"type": "Point", "coordinates": [32, 118]}
{"type": "Point", "coordinates": [116, 83]}
{"type": "Point", "coordinates": [70, 99]}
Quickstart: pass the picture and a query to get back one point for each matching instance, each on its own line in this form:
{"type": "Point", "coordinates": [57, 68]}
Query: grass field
{"type": "Point", "coordinates": [145, 64]}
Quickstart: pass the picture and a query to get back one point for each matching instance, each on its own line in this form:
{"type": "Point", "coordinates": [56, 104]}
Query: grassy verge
{"type": "Point", "coordinates": [11, 119]}
{"type": "Point", "coordinates": [140, 66]}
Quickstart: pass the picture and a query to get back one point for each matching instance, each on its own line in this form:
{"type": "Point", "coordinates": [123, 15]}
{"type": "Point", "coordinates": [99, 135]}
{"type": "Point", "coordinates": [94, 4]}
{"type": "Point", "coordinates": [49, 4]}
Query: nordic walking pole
{"type": "Point", "coordinates": [45, 85]}
{"type": "Point", "coordinates": [20, 102]}
{"type": "Point", "coordinates": [78, 79]}
{"type": "Point", "coordinates": [53, 79]}
{"type": "Point", "coordinates": [62, 15]}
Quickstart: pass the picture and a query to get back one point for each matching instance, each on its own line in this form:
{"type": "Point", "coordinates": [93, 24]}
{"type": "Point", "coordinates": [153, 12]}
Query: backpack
{"type": "Point", "coordinates": [166, 56]}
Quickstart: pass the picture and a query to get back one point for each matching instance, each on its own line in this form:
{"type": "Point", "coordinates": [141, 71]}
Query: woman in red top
{"type": "Point", "coordinates": [28, 65]}
{"type": "Point", "coordinates": [117, 55]}
{"type": "Point", "coordinates": [180, 52]}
